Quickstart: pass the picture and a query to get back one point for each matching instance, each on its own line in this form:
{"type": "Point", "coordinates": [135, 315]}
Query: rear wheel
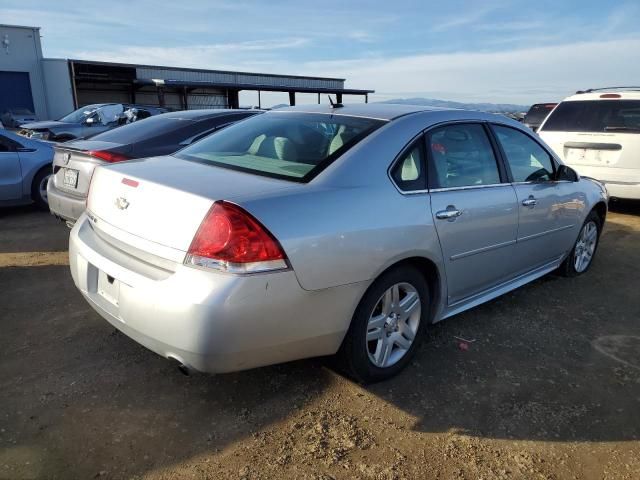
{"type": "Point", "coordinates": [387, 326]}
{"type": "Point", "coordinates": [39, 188]}
{"type": "Point", "coordinates": [581, 256]}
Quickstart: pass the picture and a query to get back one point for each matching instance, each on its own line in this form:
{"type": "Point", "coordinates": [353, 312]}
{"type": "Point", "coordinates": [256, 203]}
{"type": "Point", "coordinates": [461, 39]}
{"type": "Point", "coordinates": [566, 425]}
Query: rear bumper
{"type": "Point", "coordinates": [66, 206]}
{"type": "Point", "coordinates": [623, 190]}
{"type": "Point", "coordinates": [210, 321]}
{"type": "Point", "coordinates": [620, 182]}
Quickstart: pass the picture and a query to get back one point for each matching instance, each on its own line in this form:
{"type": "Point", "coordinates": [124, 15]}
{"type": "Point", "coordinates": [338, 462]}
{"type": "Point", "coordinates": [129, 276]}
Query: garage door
{"type": "Point", "coordinates": [15, 91]}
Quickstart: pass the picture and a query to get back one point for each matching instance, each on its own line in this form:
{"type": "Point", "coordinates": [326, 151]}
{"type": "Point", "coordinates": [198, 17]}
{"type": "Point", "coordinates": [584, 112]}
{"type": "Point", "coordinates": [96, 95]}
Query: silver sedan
{"type": "Point", "coordinates": [316, 231]}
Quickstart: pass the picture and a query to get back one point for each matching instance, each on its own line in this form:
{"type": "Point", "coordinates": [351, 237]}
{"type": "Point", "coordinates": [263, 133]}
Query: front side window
{"type": "Point", "coordinates": [408, 172]}
{"type": "Point", "coordinates": [291, 146]}
{"type": "Point", "coordinates": [595, 116]}
{"type": "Point", "coordinates": [528, 161]}
{"type": "Point", "coordinates": [8, 145]}
{"type": "Point", "coordinates": [461, 156]}
{"type": "Point", "coordinates": [5, 146]}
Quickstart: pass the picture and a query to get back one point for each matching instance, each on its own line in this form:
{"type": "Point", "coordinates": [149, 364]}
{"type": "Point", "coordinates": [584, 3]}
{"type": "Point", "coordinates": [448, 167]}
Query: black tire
{"type": "Point", "coordinates": [37, 195]}
{"type": "Point", "coordinates": [353, 357]}
{"type": "Point", "coordinates": [568, 267]}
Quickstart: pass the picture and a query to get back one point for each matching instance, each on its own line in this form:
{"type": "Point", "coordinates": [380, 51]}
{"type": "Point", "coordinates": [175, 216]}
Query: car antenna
{"type": "Point", "coordinates": [334, 104]}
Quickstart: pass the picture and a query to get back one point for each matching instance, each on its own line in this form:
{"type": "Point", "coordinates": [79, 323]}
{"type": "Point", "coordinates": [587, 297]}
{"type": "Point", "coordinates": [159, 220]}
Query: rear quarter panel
{"type": "Point", "coordinates": [346, 235]}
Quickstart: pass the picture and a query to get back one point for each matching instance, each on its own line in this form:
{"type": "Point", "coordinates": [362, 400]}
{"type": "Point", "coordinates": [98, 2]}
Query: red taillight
{"type": "Point", "coordinates": [610, 95]}
{"type": "Point", "coordinates": [110, 157]}
{"type": "Point", "coordinates": [232, 240]}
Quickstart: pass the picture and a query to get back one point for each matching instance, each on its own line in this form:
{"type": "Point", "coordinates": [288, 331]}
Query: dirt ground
{"type": "Point", "coordinates": [550, 389]}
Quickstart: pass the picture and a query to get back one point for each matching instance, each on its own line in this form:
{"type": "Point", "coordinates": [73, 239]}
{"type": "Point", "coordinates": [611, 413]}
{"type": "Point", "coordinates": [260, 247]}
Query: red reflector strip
{"type": "Point", "coordinates": [129, 182]}
{"type": "Point", "coordinates": [609, 95]}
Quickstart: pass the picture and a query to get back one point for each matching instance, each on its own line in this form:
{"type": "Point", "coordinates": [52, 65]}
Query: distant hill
{"type": "Point", "coordinates": [483, 107]}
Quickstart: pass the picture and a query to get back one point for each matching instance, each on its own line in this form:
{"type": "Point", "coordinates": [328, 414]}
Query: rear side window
{"type": "Point", "coordinates": [292, 146]}
{"type": "Point", "coordinates": [595, 116]}
{"type": "Point", "coordinates": [528, 161]}
{"type": "Point", "coordinates": [408, 172]}
{"type": "Point", "coordinates": [538, 112]}
{"type": "Point", "coordinates": [461, 156]}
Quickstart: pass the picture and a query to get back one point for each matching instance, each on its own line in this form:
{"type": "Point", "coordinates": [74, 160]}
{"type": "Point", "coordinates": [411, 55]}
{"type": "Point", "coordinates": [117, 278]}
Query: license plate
{"type": "Point", "coordinates": [70, 178]}
{"type": "Point", "coordinates": [576, 154]}
{"type": "Point", "coordinates": [108, 288]}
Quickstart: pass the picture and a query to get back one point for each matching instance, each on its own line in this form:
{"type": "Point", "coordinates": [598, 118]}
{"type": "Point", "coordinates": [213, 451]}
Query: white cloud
{"type": "Point", "coordinates": [518, 76]}
{"type": "Point", "coordinates": [466, 16]}
{"type": "Point", "coordinates": [522, 76]}
{"type": "Point", "coordinates": [220, 55]}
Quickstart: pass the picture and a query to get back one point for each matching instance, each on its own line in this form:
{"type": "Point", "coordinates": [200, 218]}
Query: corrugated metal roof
{"type": "Point", "coordinates": [214, 77]}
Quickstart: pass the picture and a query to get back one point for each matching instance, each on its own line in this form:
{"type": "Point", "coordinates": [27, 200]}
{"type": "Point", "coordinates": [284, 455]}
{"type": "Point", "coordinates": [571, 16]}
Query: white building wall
{"type": "Point", "coordinates": [57, 87]}
{"type": "Point", "coordinates": [24, 54]}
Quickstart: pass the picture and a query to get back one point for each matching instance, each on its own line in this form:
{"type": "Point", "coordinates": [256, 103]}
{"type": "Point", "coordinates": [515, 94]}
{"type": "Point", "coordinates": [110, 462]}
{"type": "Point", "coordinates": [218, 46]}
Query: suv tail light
{"type": "Point", "coordinates": [231, 240]}
{"type": "Point", "coordinates": [107, 156]}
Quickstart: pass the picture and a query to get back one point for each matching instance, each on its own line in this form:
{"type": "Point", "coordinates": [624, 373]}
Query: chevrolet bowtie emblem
{"type": "Point", "coordinates": [122, 203]}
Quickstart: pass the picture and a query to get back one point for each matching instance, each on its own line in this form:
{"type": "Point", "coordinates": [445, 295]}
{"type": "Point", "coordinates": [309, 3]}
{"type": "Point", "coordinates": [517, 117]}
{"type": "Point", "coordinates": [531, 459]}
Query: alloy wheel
{"type": "Point", "coordinates": [393, 324]}
{"type": "Point", "coordinates": [585, 246]}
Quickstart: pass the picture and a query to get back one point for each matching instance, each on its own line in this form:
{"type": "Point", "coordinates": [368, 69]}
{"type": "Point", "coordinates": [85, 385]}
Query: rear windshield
{"type": "Point", "coordinates": [537, 113]}
{"type": "Point", "coordinates": [143, 129]}
{"type": "Point", "coordinates": [595, 116]}
{"type": "Point", "coordinates": [292, 146]}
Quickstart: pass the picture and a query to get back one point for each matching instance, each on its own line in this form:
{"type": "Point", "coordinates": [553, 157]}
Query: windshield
{"type": "Point", "coordinates": [79, 116]}
{"type": "Point", "coordinates": [292, 146]}
{"type": "Point", "coordinates": [537, 113]}
{"type": "Point", "coordinates": [595, 116]}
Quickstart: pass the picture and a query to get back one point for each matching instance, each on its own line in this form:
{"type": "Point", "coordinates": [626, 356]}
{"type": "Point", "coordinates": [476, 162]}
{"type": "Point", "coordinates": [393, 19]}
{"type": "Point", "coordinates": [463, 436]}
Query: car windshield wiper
{"type": "Point", "coordinates": [622, 129]}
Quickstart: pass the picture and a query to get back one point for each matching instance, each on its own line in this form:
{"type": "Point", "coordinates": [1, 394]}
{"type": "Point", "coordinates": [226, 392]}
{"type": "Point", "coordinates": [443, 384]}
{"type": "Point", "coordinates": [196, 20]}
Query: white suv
{"type": "Point", "coordinates": [597, 132]}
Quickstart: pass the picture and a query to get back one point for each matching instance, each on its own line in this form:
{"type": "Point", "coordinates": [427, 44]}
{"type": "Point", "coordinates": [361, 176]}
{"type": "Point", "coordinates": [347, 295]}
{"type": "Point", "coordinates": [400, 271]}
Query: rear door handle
{"type": "Point", "coordinates": [451, 213]}
{"type": "Point", "coordinates": [530, 202]}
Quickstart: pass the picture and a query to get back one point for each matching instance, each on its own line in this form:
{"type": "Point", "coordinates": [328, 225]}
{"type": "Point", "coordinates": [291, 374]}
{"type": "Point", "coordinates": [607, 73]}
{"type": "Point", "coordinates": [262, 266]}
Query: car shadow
{"type": "Point", "coordinates": [557, 360]}
{"type": "Point", "coordinates": [552, 361]}
{"type": "Point", "coordinates": [629, 207]}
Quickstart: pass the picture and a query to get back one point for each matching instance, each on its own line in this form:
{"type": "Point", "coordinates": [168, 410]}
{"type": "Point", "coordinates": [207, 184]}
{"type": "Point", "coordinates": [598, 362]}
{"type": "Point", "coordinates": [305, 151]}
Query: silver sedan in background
{"type": "Point", "coordinates": [313, 231]}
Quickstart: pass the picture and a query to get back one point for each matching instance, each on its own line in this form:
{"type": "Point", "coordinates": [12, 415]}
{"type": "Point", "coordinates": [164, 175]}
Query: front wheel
{"type": "Point", "coordinates": [581, 256]}
{"type": "Point", "coordinates": [387, 326]}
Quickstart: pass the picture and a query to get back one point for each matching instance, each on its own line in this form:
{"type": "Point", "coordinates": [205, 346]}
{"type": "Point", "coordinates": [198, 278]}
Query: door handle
{"type": "Point", "coordinates": [451, 213]}
{"type": "Point", "coordinates": [530, 202]}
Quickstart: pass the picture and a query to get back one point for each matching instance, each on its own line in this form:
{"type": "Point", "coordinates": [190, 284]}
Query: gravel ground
{"type": "Point", "coordinates": [550, 389]}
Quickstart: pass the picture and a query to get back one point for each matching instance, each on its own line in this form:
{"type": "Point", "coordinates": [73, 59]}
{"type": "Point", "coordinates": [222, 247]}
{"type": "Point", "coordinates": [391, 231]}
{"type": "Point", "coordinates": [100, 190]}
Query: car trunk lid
{"type": "Point", "coordinates": [615, 150]}
{"type": "Point", "coordinates": [73, 165]}
{"type": "Point", "coordinates": [164, 199]}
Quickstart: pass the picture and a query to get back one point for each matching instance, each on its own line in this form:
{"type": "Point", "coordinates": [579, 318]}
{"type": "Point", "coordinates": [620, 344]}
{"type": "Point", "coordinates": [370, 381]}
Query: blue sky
{"type": "Point", "coordinates": [498, 51]}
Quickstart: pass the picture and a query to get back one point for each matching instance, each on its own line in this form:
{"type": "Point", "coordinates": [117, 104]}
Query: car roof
{"type": "Point", "coordinates": [630, 93]}
{"type": "Point", "coordinates": [203, 114]}
{"type": "Point", "coordinates": [381, 111]}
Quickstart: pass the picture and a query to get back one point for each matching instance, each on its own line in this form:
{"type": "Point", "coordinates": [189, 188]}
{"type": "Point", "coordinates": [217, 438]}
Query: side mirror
{"type": "Point", "coordinates": [567, 174]}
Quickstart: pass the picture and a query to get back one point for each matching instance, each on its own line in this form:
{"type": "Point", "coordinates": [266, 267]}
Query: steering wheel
{"type": "Point", "coordinates": [536, 176]}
